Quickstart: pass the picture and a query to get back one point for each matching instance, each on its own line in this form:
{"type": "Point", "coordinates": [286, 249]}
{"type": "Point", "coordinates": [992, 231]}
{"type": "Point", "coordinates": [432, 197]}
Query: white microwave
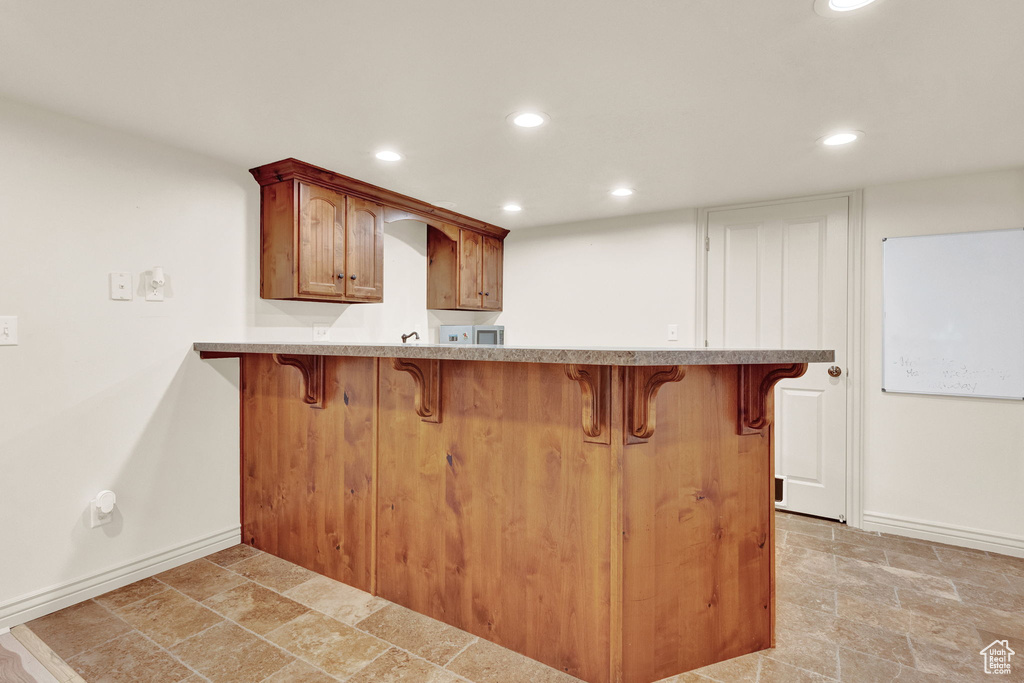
{"type": "Point", "coordinates": [472, 334]}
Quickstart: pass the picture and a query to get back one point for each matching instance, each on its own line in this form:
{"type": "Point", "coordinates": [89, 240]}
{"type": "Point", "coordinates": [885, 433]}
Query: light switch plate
{"type": "Point", "coordinates": [673, 332]}
{"type": "Point", "coordinates": [9, 330]}
{"type": "Point", "coordinates": [121, 286]}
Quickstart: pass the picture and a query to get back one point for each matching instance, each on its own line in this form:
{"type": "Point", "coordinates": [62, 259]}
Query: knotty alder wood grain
{"type": "Point", "coordinates": [307, 473]}
{"type": "Point", "coordinates": [697, 552]}
{"type": "Point", "coordinates": [496, 519]}
{"type": "Point", "coordinates": [614, 560]}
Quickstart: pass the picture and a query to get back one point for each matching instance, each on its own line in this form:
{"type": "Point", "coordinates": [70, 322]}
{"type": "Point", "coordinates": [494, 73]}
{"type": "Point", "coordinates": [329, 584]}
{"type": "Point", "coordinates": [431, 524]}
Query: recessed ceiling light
{"type": "Point", "coordinates": [847, 5]}
{"type": "Point", "coordinates": [835, 8]}
{"type": "Point", "coordinates": [388, 155]}
{"type": "Point", "coordinates": [528, 119]}
{"type": "Point", "coordinates": [842, 138]}
{"type": "Point", "coordinates": [622, 192]}
{"type": "Point", "coordinates": [512, 207]}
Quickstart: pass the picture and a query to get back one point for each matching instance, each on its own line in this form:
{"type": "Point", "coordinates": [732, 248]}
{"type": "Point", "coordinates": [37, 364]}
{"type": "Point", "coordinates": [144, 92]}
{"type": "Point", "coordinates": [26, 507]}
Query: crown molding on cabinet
{"type": "Point", "coordinates": [397, 206]}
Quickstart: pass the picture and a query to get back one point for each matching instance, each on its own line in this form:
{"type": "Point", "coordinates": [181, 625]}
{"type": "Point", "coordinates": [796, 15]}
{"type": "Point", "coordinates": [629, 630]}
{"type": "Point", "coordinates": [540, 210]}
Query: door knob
{"type": "Point", "coordinates": [352, 276]}
{"type": "Point", "coordinates": [835, 371]}
{"type": "Point", "coordinates": [341, 276]}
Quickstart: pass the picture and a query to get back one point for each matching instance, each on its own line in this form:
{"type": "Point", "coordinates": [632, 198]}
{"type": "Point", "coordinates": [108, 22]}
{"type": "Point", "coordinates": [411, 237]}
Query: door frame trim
{"type": "Point", "coordinates": [855, 328]}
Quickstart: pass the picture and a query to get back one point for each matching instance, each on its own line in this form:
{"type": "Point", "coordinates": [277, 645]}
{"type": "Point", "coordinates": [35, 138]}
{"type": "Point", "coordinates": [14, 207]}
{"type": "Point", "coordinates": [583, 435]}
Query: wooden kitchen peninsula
{"type": "Point", "coordinates": [605, 511]}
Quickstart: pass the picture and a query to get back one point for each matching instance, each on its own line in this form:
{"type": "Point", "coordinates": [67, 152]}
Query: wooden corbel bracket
{"type": "Point", "coordinates": [756, 392]}
{"type": "Point", "coordinates": [427, 375]}
{"type": "Point", "coordinates": [312, 369]}
{"type": "Point", "coordinates": [642, 385]}
{"type": "Point", "coordinates": [595, 386]}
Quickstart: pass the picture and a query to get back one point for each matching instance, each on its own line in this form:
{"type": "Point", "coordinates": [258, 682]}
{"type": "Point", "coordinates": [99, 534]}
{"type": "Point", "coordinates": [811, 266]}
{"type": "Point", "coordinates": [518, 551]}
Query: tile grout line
{"type": "Point", "coordinates": [763, 656]}
{"type": "Point", "coordinates": [368, 664]}
{"type": "Point", "coordinates": [455, 656]}
{"type": "Point", "coordinates": [98, 645]}
{"type": "Point", "coordinates": [385, 603]}
{"type": "Point", "coordinates": [172, 655]}
{"type": "Point", "coordinates": [852, 649]}
{"type": "Point", "coordinates": [158, 645]}
{"type": "Point", "coordinates": [133, 629]}
{"type": "Point", "coordinates": [324, 614]}
{"type": "Point", "coordinates": [232, 621]}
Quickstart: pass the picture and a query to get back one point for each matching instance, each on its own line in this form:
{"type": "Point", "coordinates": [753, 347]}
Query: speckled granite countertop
{"type": "Point", "coordinates": [595, 355]}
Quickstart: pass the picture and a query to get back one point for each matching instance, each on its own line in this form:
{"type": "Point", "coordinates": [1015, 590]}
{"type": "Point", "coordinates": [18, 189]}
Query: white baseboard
{"type": "Point", "coordinates": [33, 605]}
{"type": "Point", "coordinates": [951, 534]}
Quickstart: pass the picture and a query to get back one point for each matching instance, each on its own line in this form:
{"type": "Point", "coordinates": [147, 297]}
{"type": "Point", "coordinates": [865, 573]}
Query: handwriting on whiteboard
{"type": "Point", "coordinates": [947, 374]}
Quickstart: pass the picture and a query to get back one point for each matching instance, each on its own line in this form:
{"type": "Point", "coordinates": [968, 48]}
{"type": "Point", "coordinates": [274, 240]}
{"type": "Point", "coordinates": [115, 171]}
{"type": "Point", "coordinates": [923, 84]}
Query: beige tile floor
{"type": "Point", "coordinates": [852, 606]}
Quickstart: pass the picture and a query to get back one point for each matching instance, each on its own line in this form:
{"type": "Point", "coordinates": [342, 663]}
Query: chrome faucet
{"type": "Point", "coordinates": [405, 337]}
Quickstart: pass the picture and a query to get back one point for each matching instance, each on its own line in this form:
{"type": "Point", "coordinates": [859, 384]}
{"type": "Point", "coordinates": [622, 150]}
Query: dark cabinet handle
{"type": "Point", "coordinates": [352, 276]}
{"type": "Point", "coordinates": [341, 276]}
{"type": "Point", "coordinates": [480, 293]}
{"type": "Point", "coordinates": [487, 293]}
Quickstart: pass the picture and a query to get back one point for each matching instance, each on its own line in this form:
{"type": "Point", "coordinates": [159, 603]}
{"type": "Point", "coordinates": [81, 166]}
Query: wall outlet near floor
{"type": "Point", "coordinates": [9, 330]}
{"type": "Point", "coordinates": [101, 509]}
{"type": "Point", "coordinates": [673, 332]}
{"type": "Point", "coordinates": [321, 332]}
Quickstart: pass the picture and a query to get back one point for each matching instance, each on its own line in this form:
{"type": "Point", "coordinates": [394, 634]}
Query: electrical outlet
{"type": "Point", "coordinates": [673, 332]}
{"type": "Point", "coordinates": [121, 286]}
{"type": "Point", "coordinates": [321, 332]}
{"type": "Point", "coordinates": [155, 281]}
{"type": "Point", "coordinates": [101, 508]}
{"type": "Point", "coordinates": [9, 330]}
{"type": "Point", "coordinates": [98, 518]}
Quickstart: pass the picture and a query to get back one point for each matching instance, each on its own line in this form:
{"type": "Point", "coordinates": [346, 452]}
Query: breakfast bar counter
{"type": "Point", "coordinates": [605, 511]}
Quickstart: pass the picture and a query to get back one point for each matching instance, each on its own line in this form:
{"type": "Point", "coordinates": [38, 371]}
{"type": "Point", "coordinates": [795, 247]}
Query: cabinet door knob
{"type": "Point", "coordinates": [487, 293]}
{"type": "Point", "coordinates": [341, 276]}
{"type": "Point", "coordinates": [480, 293]}
{"type": "Point", "coordinates": [352, 277]}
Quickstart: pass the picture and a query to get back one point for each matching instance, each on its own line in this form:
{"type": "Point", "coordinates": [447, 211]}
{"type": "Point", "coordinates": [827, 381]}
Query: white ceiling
{"type": "Point", "coordinates": [693, 102]}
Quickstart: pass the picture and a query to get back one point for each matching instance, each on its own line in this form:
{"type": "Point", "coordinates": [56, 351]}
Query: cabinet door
{"type": "Point", "coordinates": [471, 291]}
{"type": "Point", "coordinates": [492, 266]}
{"type": "Point", "coordinates": [321, 241]}
{"type": "Point", "coordinates": [364, 278]}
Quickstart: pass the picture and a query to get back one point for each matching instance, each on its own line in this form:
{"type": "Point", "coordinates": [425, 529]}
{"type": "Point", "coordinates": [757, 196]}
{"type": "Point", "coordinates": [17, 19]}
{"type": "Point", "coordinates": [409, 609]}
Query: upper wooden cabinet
{"type": "Point", "coordinates": [464, 270]}
{"type": "Point", "coordinates": [320, 245]}
{"type": "Point", "coordinates": [322, 239]}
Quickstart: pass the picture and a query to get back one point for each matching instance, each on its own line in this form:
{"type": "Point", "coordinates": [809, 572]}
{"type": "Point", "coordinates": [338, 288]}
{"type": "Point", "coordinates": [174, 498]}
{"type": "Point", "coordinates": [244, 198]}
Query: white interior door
{"type": "Point", "coordinates": [777, 278]}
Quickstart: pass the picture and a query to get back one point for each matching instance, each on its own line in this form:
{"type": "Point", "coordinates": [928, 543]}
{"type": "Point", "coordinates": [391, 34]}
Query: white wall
{"type": "Point", "coordinates": [104, 394]}
{"type": "Point", "coordinates": [613, 282]}
{"type": "Point", "coordinates": [940, 465]}
{"type": "Point", "coordinates": [405, 298]}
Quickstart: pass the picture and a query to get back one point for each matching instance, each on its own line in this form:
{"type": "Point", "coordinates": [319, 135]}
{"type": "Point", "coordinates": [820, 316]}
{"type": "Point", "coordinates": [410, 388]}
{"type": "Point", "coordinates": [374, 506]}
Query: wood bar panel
{"type": "Point", "coordinates": [697, 525]}
{"type": "Point", "coordinates": [497, 520]}
{"type": "Point", "coordinates": [307, 473]}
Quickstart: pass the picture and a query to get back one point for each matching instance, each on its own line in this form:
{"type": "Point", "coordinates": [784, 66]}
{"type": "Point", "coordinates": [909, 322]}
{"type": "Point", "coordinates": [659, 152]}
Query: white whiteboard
{"type": "Point", "coordinates": [953, 314]}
